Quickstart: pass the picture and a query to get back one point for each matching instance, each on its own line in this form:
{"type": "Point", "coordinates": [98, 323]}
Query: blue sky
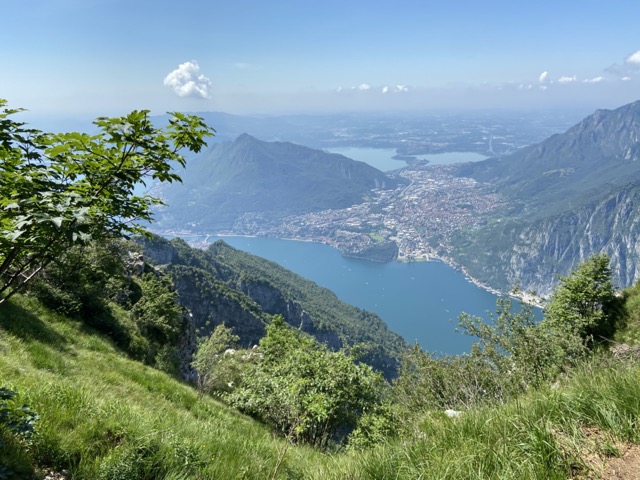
{"type": "Point", "coordinates": [94, 57]}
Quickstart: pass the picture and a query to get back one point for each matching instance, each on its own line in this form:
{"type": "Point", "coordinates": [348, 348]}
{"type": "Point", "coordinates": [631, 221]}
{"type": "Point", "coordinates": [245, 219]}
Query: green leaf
{"type": "Point", "coordinates": [58, 149]}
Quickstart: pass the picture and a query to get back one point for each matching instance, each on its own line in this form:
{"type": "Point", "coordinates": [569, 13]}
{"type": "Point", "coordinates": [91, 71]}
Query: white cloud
{"type": "Point", "coordinates": [385, 89]}
{"type": "Point", "coordinates": [543, 87]}
{"type": "Point", "coordinates": [634, 58]}
{"type": "Point", "coordinates": [625, 79]}
{"type": "Point", "coordinates": [543, 77]}
{"type": "Point", "coordinates": [364, 86]}
{"type": "Point", "coordinates": [566, 79]}
{"type": "Point", "coordinates": [401, 89]}
{"type": "Point", "coordinates": [594, 80]}
{"type": "Point", "coordinates": [187, 81]}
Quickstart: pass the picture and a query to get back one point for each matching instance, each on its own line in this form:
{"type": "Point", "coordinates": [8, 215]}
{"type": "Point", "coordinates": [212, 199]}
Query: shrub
{"type": "Point", "coordinates": [584, 305]}
{"type": "Point", "coordinates": [217, 372]}
{"type": "Point", "coordinates": [16, 421]}
{"type": "Point", "coordinates": [304, 390]}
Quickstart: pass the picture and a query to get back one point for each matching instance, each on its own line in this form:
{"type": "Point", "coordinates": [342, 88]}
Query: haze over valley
{"type": "Point", "coordinates": [319, 240]}
{"type": "Point", "coordinates": [422, 211]}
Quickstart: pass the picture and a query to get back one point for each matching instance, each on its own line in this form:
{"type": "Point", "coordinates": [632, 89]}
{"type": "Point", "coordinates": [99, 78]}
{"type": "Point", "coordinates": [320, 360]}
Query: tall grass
{"type": "Point", "coordinates": [550, 434]}
{"type": "Point", "coordinates": [103, 416]}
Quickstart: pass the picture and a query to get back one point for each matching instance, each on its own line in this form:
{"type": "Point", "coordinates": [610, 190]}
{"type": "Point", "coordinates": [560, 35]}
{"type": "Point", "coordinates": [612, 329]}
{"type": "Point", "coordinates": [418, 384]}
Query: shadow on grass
{"type": "Point", "coordinates": [25, 325]}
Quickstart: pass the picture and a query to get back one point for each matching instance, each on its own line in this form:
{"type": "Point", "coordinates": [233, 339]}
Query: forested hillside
{"type": "Point", "coordinates": [260, 181]}
{"type": "Point", "coordinates": [225, 285]}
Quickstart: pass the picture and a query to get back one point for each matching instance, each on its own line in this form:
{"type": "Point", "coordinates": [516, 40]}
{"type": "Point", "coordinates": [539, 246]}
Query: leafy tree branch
{"type": "Point", "coordinates": [57, 190]}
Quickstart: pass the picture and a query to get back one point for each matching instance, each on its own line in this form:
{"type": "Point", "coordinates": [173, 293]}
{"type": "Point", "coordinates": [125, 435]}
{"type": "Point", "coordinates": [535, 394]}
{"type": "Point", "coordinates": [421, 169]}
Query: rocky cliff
{"type": "Point", "coordinates": [571, 196]}
{"type": "Point", "coordinates": [533, 254]}
{"type": "Point", "coordinates": [224, 285]}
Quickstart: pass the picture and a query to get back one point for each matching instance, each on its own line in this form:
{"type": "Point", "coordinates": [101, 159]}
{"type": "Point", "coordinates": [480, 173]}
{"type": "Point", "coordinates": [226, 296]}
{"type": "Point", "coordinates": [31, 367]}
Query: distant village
{"type": "Point", "coordinates": [419, 217]}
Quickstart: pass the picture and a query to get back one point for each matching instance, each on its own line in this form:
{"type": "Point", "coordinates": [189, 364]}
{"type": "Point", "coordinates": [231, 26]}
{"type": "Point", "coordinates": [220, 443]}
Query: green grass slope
{"type": "Point", "coordinates": [103, 416]}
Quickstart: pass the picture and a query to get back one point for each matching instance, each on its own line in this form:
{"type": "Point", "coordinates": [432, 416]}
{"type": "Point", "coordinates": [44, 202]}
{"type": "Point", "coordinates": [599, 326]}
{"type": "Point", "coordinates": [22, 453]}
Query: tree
{"type": "Point", "coordinates": [304, 390]}
{"type": "Point", "coordinates": [57, 190]}
{"type": "Point", "coordinates": [214, 372]}
{"type": "Point", "coordinates": [519, 350]}
{"type": "Point", "coordinates": [584, 303]}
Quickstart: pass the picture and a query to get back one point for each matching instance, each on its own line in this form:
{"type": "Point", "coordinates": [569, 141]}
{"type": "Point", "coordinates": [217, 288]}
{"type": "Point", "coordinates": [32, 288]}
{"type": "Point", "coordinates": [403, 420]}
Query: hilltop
{"type": "Point", "coordinates": [255, 181]}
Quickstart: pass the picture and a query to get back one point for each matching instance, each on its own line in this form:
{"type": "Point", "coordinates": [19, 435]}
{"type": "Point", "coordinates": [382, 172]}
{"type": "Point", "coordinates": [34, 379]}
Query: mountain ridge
{"type": "Point", "coordinates": [569, 197]}
{"type": "Point", "coordinates": [589, 160]}
{"type": "Point", "coordinates": [271, 179]}
{"type": "Point", "coordinates": [225, 285]}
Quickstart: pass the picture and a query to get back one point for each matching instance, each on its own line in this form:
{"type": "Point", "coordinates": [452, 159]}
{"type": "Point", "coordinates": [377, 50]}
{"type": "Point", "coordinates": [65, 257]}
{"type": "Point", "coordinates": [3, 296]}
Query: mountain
{"type": "Point", "coordinates": [269, 179]}
{"type": "Point", "coordinates": [570, 196]}
{"type": "Point", "coordinates": [591, 159]}
{"type": "Point", "coordinates": [225, 285]}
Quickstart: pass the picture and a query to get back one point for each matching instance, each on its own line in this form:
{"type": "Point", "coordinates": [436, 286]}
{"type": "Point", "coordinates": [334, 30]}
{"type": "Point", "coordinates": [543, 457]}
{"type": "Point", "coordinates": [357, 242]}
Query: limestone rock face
{"type": "Point", "coordinates": [571, 196]}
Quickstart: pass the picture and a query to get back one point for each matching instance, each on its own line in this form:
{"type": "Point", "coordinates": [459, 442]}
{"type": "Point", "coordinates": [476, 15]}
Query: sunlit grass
{"type": "Point", "coordinates": [104, 416]}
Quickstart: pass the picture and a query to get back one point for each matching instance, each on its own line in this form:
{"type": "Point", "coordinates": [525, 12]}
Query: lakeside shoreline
{"type": "Point", "coordinates": [203, 244]}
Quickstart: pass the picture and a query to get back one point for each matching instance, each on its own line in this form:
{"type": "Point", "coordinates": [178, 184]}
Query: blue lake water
{"type": "Point", "coordinates": [382, 158]}
{"type": "Point", "coordinates": [420, 301]}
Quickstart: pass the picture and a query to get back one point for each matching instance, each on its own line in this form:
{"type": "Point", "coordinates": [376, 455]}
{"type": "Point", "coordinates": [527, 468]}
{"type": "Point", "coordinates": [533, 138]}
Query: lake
{"type": "Point", "coordinates": [420, 301]}
{"type": "Point", "coordinates": [382, 158]}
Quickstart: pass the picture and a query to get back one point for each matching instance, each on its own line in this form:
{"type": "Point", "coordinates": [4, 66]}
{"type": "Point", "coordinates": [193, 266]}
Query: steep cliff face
{"type": "Point", "coordinates": [224, 285]}
{"type": "Point", "coordinates": [535, 253]}
{"type": "Point", "coordinates": [212, 304]}
{"type": "Point", "coordinates": [273, 302]}
{"type": "Point", "coordinates": [570, 196]}
{"type": "Point", "coordinates": [209, 299]}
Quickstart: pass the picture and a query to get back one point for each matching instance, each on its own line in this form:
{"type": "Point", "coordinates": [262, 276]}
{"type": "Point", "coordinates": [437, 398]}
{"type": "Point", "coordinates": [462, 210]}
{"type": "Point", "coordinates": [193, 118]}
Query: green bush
{"type": "Point", "coordinates": [217, 372]}
{"type": "Point", "coordinates": [84, 279]}
{"type": "Point", "coordinates": [518, 349]}
{"type": "Point", "coordinates": [629, 331]}
{"type": "Point", "coordinates": [17, 421]}
{"type": "Point", "coordinates": [138, 310]}
{"type": "Point", "coordinates": [584, 304]}
{"type": "Point", "coordinates": [17, 426]}
{"type": "Point", "coordinates": [304, 390]}
{"type": "Point", "coordinates": [430, 383]}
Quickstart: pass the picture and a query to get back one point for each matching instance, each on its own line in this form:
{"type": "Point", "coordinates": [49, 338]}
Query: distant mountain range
{"type": "Point", "coordinates": [272, 179]}
{"type": "Point", "coordinates": [596, 156]}
{"type": "Point", "coordinates": [567, 197]}
{"type": "Point", "coordinates": [570, 196]}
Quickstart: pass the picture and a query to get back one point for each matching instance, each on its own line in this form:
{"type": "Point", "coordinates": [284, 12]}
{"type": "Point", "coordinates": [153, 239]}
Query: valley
{"type": "Point", "coordinates": [419, 218]}
{"type": "Point", "coordinates": [320, 240]}
{"type": "Point", "coordinates": [523, 218]}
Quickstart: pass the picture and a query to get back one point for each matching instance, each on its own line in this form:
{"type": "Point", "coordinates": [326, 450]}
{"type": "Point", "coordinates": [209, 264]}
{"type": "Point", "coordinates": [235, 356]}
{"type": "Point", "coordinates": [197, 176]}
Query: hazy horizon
{"type": "Point", "coordinates": [83, 58]}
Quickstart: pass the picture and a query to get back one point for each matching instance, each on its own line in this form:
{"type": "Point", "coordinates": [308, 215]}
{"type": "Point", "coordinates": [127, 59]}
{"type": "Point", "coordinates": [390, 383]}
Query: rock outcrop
{"type": "Point", "coordinates": [226, 286]}
{"type": "Point", "coordinates": [571, 196]}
